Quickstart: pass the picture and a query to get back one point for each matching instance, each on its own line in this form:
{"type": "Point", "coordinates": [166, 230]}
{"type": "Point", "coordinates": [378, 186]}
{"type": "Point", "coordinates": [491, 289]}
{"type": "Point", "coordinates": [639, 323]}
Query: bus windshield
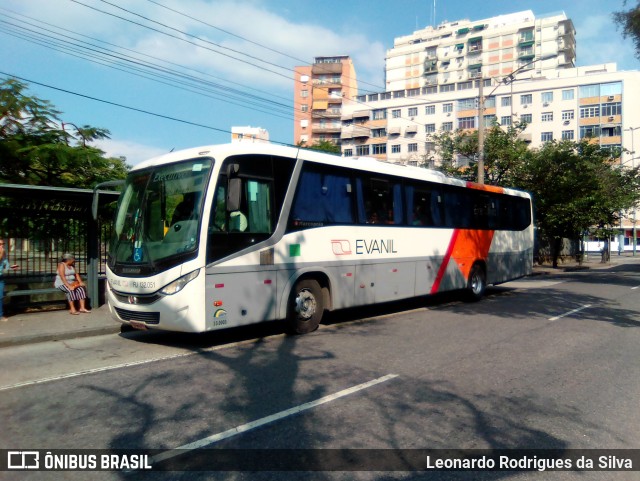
{"type": "Point", "coordinates": [158, 216]}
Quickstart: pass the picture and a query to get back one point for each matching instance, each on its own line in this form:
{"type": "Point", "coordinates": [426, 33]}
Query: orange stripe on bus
{"type": "Point", "coordinates": [486, 188]}
{"type": "Point", "coordinates": [465, 247]}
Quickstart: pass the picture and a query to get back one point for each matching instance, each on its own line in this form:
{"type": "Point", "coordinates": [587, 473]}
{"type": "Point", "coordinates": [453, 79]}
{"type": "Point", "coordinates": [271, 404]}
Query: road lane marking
{"type": "Point", "coordinates": [268, 419]}
{"type": "Point", "coordinates": [637, 287]}
{"type": "Point", "coordinates": [569, 313]}
{"type": "Point", "coordinates": [131, 364]}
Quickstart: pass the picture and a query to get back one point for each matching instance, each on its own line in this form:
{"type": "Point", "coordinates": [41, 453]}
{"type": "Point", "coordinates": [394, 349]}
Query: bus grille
{"type": "Point", "coordinates": [146, 317]}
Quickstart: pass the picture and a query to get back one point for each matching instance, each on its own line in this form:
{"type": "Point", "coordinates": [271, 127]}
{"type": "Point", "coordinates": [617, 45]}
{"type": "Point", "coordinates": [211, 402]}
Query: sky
{"type": "Point", "coordinates": [165, 75]}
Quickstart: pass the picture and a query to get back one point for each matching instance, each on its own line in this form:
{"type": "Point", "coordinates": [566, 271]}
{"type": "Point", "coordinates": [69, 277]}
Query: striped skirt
{"type": "Point", "coordinates": [74, 294]}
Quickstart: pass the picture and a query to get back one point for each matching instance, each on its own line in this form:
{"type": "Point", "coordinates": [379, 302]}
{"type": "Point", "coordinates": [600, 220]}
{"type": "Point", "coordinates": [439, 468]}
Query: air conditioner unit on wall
{"type": "Point", "coordinates": [611, 118]}
{"type": "Point", "coordinates": [611, 97]}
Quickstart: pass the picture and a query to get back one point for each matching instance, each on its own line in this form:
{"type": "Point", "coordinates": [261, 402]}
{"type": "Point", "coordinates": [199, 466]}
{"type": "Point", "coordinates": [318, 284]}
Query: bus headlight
{"type": "Point", "coordinates": [178, 284]}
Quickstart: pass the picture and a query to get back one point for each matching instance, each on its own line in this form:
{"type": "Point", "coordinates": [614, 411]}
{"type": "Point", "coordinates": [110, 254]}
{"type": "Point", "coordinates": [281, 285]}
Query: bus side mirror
{"type": "Point", "coordinates": [234, 191]}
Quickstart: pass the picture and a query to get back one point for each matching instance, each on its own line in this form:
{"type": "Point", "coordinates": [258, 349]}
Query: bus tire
{"type": "Point", "coordinates": [477, 283]}
{"type": "Point", "coordinates": [306, 307]}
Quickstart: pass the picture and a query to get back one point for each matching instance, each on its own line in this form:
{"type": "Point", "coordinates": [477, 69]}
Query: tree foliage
{"type": "Point", "coordinates": [38, 148]}
{"type": "Point", "coordinates": [322, 145]}
{"type": "Point", "coordinates": [629, 21]}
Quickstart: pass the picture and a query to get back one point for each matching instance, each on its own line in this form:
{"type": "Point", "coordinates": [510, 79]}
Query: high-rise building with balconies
{"type": "Point", "coordinates": [319, 91]}
{"type": "Point", "coordinates": [460, 51]}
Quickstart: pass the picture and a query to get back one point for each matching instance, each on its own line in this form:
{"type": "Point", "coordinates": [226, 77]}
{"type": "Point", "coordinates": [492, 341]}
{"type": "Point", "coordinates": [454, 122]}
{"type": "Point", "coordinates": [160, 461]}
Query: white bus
{"type": "Point", "coordinates": [228, 235]}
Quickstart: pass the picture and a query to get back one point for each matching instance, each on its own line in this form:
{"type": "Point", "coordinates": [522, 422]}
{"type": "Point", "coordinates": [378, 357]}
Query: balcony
{"type": "Point", "coordinates": [326, 128]}
{"type": "Point", "coordinates": [355, 132]}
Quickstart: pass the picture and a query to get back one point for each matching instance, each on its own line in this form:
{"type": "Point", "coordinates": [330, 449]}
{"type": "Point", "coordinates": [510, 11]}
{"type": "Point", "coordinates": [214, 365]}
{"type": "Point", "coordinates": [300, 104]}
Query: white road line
{"type": "Point", "coordinates": [269, 419]}
{"type": "Point", "coordinates": [569, 313]}
{"type": "Point", "coordinates": [127, 364]}
{"type": "Point", "coordinates": [637, 287]}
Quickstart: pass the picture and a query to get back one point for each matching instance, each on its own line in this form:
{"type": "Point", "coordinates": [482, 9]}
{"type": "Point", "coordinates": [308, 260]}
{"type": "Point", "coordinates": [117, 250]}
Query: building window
{"type": "Point", "coordinates": [304, 94]}
{"type": "Point", "coordinates": [447, 88]}
{"type": "Point", "coordinates": [430, 90]}
{"type": "Point", "coordinates": [378, 132]}
{"type": "Point", "coordinates": [526, 99]}
{"type": "Point", "coordinates": [348, 152]}
{"type": "Point", "coordinates": [304, 108]}
{"type": "Point", "coordinates": [398, 94]}
{"type": "Point", "coordinates": [526, 118]}
{"type": "Point", "coordinates": [547, 116]}
{"type": "Point", "coordinates": [568, 94]}
{"type": "Point", "coordinates": [546, 136]}
{"type": "Point", "coordinates": [468, 104]}
{"type": "Point", "coordinates": [362, 150]}
{"type": "Point", "coordinates": [395, 113]}
{"type": "Point", "coordinates": [413, 92]}
{"type": "Point", "coordinates": [413, 147]}
{"type": "Point", "coordinates": [430, 110]}
{"type": "Point", "coordinates": [505, 102]}
{"type": "Point", "coordinates": [465, 85]}
{"type": "Point", "coordinates": [379, 149]}
{"type": "Point", "coordinates": [567, 135]}
{"type": "Point", "coordinates": [379, 114]}
{"type": "Point", "coordinates": [587, 91]}
{"type": "Point", "coordinates": [447, 126]}
{"type": "Point", "coordinates": [413, 111]}
{"type": "Point", "coordinates": [589, 111]}
{"type": "Point", "coordinates": [385, 95]}
{"type": "Point", "coordinates": [589, 131]}
{"type": "Point", "coordinates": [467, 123]}
{"type": "Point", "coordinates": [429, 147]}
{"type": "Point", "coordinates": [447, 108]}
{"type": "Point", "coordinates": [395, 149]}
{"type": "Point", "coordinates": [547, 97]}
{"type": "Point", "coordinates": [568, 114]}
{"type": "Point", "coordinates": [505, 121]}
{"type": "Point", "coordinates": [430, 128]}
{"type": "Point", "coordinates": [611, 109]}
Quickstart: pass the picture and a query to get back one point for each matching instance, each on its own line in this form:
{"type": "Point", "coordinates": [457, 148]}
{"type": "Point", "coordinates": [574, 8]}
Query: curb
{"type": "Point", "coordinates": [59, 336]}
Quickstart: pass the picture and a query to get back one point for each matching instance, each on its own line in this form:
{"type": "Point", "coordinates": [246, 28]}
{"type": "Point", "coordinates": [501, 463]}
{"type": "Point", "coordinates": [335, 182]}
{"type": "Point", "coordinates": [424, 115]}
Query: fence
{"type": "Point", "coordinates": [40, 224]}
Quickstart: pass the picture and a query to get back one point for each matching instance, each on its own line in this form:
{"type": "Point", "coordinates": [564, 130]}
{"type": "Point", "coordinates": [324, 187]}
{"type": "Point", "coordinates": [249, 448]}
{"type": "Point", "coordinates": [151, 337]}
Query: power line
{"type": "Point", "coordinates": [116, 104]}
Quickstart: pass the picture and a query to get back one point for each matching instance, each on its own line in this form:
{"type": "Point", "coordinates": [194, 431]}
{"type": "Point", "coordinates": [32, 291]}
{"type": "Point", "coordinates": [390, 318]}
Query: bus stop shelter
{"type": "Point", "coordinates": [40, 224]}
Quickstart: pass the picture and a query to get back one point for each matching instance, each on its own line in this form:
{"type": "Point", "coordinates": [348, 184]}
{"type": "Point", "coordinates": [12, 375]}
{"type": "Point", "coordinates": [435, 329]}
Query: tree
{"type": "Point", "coordinates": [321, 145]}
{"type": "Point", "coordinates": [505, 154]}
{"type": "Point", "coordinates": [35, 145]}
{"type": "Point", "coordinates": [629, 21]}
{"type": "Point", "coordinates": [575, 187]}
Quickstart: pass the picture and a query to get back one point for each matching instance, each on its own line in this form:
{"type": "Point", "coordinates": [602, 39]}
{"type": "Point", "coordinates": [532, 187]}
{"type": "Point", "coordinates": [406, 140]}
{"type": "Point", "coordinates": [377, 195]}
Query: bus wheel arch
{"type": "Point", "coordinates": [477, 281]}
{"type": "Point", "coordinates": [308, 300]}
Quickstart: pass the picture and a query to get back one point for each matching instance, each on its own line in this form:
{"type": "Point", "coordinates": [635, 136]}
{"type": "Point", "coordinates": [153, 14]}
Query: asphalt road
{"type": "Point", "coordinates": [542, 363]}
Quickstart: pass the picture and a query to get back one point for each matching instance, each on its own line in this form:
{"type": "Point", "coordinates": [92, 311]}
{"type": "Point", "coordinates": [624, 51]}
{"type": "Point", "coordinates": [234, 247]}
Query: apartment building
{"type": "Point", "coordinates": [460, 51]}
{"type": "Point", "coordinates": [597, 102]}
{"type": "Point", "coordinates": [319, 92]}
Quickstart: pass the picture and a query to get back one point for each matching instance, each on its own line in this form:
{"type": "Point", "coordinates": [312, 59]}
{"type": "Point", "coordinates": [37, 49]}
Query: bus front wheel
{"type": "Point", "coordinates": [306, 307]}
{"type": "Point", "coordinates": [477, 283]}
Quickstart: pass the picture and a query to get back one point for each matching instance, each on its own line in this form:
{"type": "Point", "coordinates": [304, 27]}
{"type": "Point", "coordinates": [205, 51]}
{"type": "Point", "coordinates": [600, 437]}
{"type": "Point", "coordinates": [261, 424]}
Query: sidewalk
{"type": "Point", "coordinates": [58, 325]}
{"type": "Point", "coordinates": [32, 327]}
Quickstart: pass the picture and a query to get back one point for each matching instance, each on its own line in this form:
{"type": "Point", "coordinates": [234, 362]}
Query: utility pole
{"type": "Point", "coordinates": [481, 132]}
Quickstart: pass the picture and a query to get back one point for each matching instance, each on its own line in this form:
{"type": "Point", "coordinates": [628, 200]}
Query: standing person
{"type": "Point", "coordinates": [4, 267]}
{"type": "Point", "coordinates": [69, 282]}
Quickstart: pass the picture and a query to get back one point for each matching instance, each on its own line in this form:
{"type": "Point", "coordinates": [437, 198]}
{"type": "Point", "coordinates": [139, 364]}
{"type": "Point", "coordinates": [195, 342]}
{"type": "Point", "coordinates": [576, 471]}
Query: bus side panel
{"type": "Point", "coordinates": [511, 256]}
{"type": "Point", "coordinates": [426, 272]}
{"type": "Point", "coordinates": [394, 280]}
{"type": "Point", "coordinates": [239, 298]}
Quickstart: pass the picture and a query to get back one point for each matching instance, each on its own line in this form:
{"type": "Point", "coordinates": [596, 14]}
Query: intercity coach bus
{"type": "Point", "coordinates": [228, 235]}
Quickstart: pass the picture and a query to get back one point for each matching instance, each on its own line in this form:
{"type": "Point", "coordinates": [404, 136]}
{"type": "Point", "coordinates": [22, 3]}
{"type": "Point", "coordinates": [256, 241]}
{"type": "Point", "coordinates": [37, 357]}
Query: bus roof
{"type": "Point", "coordinates": [368, 164]}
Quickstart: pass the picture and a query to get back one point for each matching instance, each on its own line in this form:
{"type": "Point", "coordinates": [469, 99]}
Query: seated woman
{"type": "Point", "coordinates": [69, 282]}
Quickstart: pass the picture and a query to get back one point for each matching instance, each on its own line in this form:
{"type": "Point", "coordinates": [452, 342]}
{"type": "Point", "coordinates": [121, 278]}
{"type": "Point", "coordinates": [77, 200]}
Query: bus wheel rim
{"type": "Point", "coordinates": [305, 304]}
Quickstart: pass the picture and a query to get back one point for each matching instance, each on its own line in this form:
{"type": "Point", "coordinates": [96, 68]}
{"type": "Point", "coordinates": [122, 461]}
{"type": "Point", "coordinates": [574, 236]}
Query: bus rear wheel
{"type": "Point", "coordinates": [305, 307]}
{"type": "Point", "coordinates": [477, 283]}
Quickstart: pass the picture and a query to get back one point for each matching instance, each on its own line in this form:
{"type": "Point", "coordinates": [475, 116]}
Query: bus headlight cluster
{"type": "Point", "coordinates": [178, 284]}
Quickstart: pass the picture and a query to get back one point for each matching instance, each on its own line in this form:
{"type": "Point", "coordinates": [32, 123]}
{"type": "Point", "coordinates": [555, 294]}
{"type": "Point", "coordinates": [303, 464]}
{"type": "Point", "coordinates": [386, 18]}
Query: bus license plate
{"type": "Point", "coordinates": [138, 325]}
